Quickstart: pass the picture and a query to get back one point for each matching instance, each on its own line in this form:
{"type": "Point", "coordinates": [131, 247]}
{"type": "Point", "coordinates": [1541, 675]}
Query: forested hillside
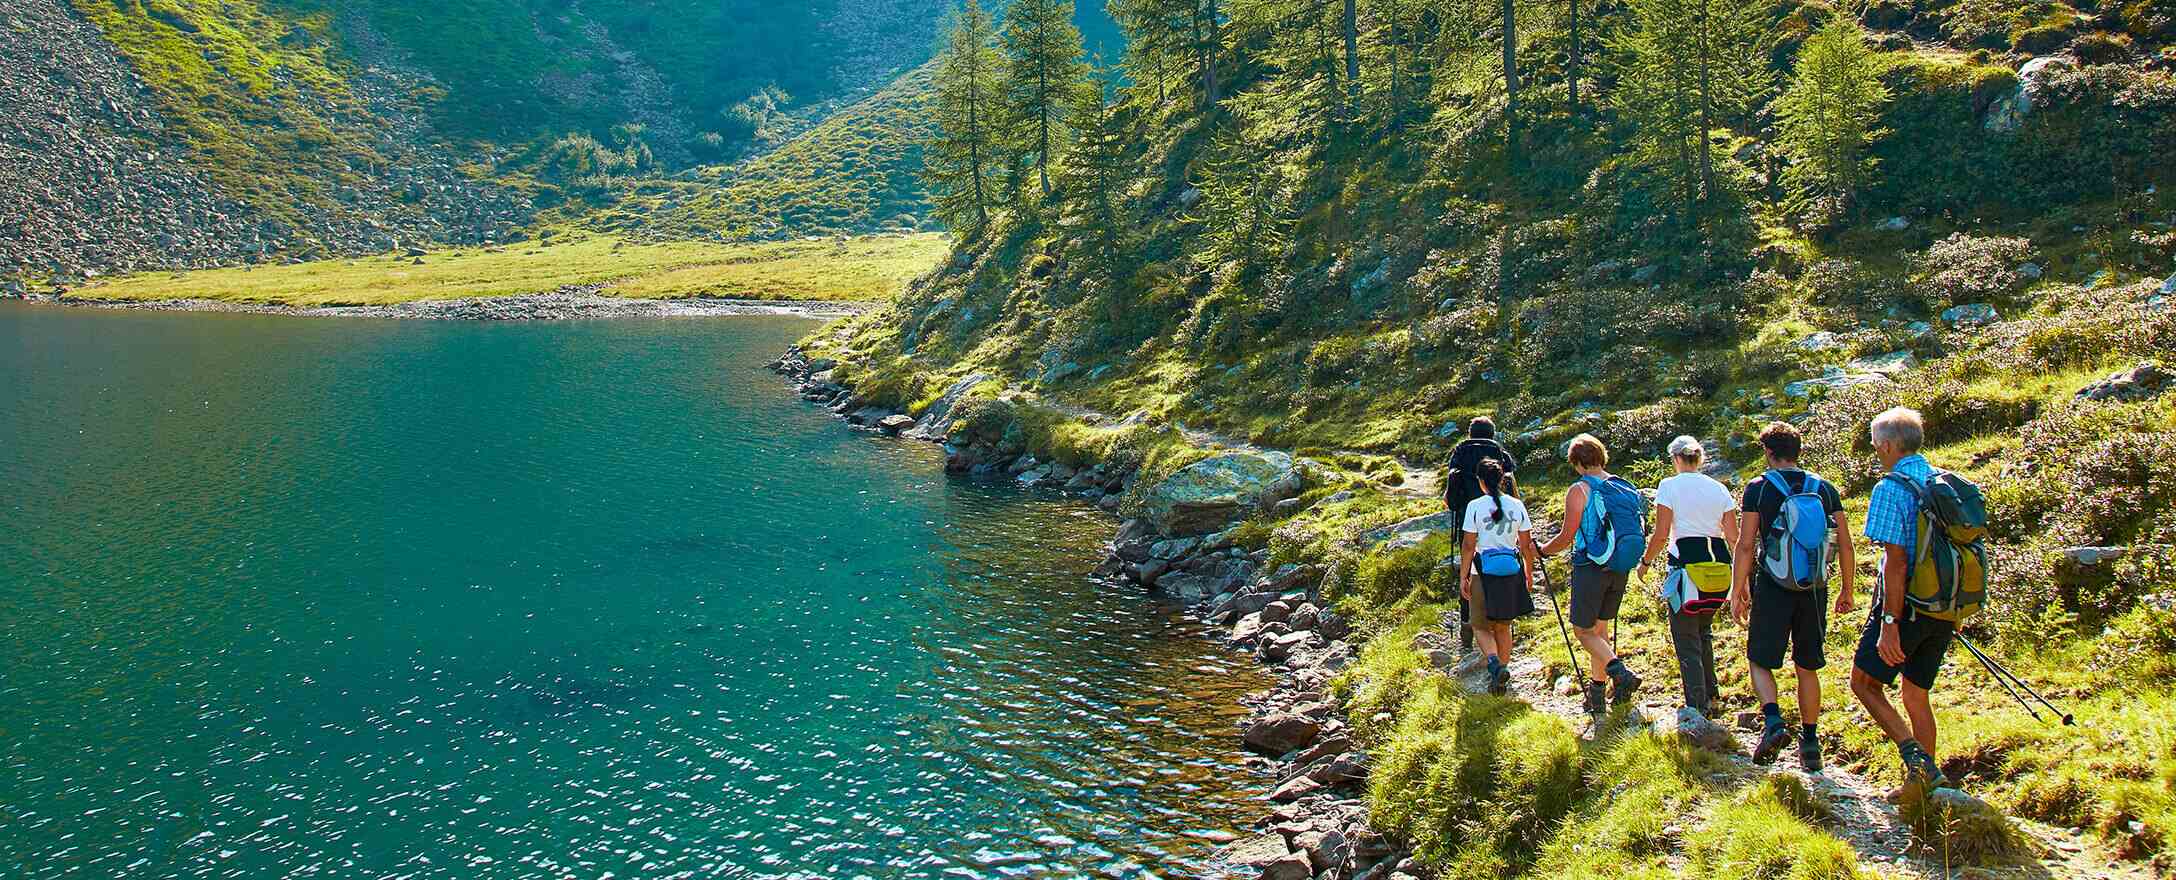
{"type": "Point", "coordinates": [1345, 228]}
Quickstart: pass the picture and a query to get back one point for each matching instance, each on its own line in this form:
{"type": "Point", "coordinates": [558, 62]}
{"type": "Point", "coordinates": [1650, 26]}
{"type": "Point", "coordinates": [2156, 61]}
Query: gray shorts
{"type": "Point", "coordinates": [1596, 594]}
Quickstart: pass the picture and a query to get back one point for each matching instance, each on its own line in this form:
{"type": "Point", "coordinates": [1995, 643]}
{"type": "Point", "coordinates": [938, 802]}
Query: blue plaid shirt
{"type": "Point", "coordinates": [1892, 513]}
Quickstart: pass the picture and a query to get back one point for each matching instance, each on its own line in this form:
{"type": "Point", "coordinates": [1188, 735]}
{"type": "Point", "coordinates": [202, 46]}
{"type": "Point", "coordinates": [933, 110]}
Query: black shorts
{"type": "Point", "coordinates": [1505, 599]}
{"type": "Point", "coordinates": [1790, 618]}
{"type": "Point", "coordinates": [1596, 594]}
{"type": "Point", "coordinates": [1925, 641]}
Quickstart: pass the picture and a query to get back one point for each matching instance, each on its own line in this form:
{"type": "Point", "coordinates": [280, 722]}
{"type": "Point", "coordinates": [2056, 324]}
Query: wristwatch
{"type": "Point", "coordinates": [1888, 619]}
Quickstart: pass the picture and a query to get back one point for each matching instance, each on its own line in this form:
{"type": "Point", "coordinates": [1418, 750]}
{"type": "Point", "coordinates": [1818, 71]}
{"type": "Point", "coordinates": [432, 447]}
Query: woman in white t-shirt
{"type": "Point", "coordinates": [1693, 513]}
{"type": "Point", "coordinates": [1498, 575]}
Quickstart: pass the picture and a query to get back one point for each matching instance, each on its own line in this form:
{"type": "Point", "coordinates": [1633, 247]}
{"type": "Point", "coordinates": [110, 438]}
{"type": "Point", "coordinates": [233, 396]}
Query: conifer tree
{"type": "Point", "coordinates": [1687, 66]}
{"type": "Point", "coordinates": [963, 160]}
{"type": "Point", "coordinates": [1831, 113]}
{"type": "Point", "coordinates": [1244, 203]}
{"type": "Point", "coordinates": [1043, 70]}
{"type": "Point", "coordinates": [1095, 180]}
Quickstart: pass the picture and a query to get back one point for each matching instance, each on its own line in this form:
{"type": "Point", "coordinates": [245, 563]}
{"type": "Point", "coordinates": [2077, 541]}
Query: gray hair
{"type": "Point", "coordinates": [1687, 448]}
{"type": "Point", "coordinates": [1902, 426]}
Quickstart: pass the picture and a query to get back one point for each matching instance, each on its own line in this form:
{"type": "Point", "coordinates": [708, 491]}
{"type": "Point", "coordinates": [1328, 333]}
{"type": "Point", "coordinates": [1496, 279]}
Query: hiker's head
{"type": "Point", "coordinates": [1481, 428]}
{"type": "Point", "coordinates": [1898, 432]}
{"type": "Point", "coordinates": [1587, 453]}
{"type": "Point", "coordinates": [1687, 454]}
{"type": "Point", "coordinates": [1782, 442]}
{"type": "Point", "coordinates": [1496, 483]}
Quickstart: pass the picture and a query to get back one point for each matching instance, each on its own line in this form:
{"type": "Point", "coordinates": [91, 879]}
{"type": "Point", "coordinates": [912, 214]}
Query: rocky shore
{"type": "Point", "coordinates": [567, 303]}
{"type": "Point", "coordinates": [1174, 543]}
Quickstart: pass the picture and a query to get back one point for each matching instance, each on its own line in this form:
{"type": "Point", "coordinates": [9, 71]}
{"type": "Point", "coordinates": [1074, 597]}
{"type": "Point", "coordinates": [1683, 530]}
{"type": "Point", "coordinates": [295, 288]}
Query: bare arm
{"type": "Point", "coordinates": [1742, 561]}
{"type": "Point", "coordinates": [1894, 563]}
{"type": "Point", "coordinates": [1575, 505]}
{"type": "Point", "coordinates": [1846, 598]}
{"type": "Point", "coordinates": [1465, 565]}
{"type": "Point", "coordinates": [1665, 519]}
{"type": "Point", "coordinates": [1532, 554]}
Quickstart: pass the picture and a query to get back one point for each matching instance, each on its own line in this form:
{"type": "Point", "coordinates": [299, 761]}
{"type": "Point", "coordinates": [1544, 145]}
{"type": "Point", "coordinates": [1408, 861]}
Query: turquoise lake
{"type": "Point", "coordinates": [409, 599]}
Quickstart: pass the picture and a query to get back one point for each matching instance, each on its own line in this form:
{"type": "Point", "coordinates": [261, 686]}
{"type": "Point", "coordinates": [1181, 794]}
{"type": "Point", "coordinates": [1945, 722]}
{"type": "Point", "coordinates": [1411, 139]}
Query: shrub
{"type": "Point", "coordinates": [1970, 268]}
{"type": "Point", "coordinates": [1849, 284]}
{"type": "Point", "coordinates": [1387, 578]}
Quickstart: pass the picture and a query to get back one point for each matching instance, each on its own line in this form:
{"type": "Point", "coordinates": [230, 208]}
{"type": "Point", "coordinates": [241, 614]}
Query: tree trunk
{"type": "Point", "coordinates": [1209, 52]}
{"type": "Point", "coordinates": [1572, 69]}
{"type": "Point", "coordinates": [1511, 85]}
{"type": "Point", "coordinates": [1707, 158]}
{"type": "Point", "coordinates": [1352, 49]}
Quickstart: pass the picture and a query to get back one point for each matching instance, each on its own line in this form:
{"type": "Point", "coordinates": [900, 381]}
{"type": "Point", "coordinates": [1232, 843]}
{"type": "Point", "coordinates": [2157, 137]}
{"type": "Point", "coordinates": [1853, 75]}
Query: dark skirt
{"type": "Point", "coordinates": [1506, 598]}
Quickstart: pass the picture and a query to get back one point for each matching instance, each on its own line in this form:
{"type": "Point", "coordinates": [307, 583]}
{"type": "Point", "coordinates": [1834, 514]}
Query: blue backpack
{"type": "Point", "coordinates": [1613, 529]}
{"type": "Point", "coordinates": [1795, 548]}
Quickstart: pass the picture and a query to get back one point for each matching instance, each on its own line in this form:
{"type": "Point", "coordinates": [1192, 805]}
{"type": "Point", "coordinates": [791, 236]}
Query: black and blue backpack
{"type": "Point", "coordinates": [1794, 549]}
{"type": "Point", "coordinates": [1613, 530]}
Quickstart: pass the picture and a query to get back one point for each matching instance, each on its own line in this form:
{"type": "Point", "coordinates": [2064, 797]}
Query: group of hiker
{"type": "Point", "coordinates": [1765, 556]}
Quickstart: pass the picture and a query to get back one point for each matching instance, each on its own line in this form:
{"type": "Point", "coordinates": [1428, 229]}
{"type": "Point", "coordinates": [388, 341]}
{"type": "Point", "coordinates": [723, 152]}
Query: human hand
{"type": "Point", "coordinates": [1890, 646]}
{"type": "Point", "coordinates": [1465, 588]}
{"type": "Point", "coordinates": [1741, 604]}
{"type": "Point", "coordinates": [1844, 604]}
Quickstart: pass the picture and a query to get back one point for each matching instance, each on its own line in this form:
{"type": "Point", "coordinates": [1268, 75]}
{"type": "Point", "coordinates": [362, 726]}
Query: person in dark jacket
{"type": "Point", "coordinates": [1462, 484]}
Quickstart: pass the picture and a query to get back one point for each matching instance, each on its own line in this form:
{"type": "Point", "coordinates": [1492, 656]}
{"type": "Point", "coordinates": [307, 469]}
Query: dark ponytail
{"type": "Point", "coordinates": [1492, 476]}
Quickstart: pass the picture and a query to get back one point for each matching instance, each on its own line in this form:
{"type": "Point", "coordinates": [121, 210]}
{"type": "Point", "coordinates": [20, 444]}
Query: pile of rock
{"type": "Point", "coordinates": [2137, 383]}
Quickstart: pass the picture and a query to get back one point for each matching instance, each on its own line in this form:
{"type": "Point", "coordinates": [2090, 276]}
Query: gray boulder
{"type": "Point", "coordinates": [1204, 496]}
{"type": "Point", "coordinates": [1970, 315]}
{"type": "Point", "coordinates": [937, 419]}
{"type": "Point", "coordinates": [2008, 113]}
{"type": "Point", "coordinates": [895, 424]}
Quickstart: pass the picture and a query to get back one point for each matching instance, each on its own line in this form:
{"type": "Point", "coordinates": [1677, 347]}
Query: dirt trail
{"type": "Point", "coordinates": [1864, 818]}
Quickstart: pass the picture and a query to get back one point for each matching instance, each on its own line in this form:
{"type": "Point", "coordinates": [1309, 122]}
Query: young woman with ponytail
{"type": "Point", "coordinates": [1497, 578]}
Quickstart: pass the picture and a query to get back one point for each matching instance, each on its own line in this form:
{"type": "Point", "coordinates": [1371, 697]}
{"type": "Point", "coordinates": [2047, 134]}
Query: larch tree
{"type": "Point", "coordinates": [1044, 70]}
{"type": "Point", "coordinates": [1830, 115]}
{"type": "Point", "coordinates": [1686, 67]}
{"type": "Point", "coordinates": [1095, 180]}
{"type": "Point", "coordinates": [963, 161]}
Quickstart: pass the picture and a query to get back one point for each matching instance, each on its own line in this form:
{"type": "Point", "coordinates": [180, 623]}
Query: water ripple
{"type": "Point", "coordinates": [384, 599]}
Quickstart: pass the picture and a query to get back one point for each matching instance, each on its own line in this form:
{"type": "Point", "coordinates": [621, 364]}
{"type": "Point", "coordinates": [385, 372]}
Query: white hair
{"type": "Point", "coordinates": [1687, 448]}
{"type": "Point", "coordinates": [1902, 426]}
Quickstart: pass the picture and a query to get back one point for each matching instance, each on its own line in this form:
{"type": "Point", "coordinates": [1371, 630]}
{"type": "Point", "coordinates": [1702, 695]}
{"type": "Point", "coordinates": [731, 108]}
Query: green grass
{"type": "Point", "coordinates": [861, 269]}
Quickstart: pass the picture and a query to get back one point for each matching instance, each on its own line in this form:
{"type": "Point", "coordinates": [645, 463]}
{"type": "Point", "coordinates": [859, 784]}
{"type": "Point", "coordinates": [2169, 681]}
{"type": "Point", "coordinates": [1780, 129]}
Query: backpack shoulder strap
{"type": "Point", "coordinates": [1775, 478]}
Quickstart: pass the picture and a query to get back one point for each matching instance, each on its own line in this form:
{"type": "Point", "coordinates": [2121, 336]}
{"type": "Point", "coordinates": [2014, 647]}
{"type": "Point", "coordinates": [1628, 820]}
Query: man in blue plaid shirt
{"type": "Point", "coordinates": [1896, 640]}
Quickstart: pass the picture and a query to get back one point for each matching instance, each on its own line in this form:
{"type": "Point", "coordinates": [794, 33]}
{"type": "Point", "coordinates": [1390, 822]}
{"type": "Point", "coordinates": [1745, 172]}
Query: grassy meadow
{"type": "Point", "coordinates": [855, 269]}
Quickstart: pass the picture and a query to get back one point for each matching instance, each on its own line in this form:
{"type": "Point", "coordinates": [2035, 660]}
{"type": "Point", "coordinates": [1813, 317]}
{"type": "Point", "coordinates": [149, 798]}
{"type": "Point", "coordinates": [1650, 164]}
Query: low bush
{"type": "Point", "coordinates": [1971, 268]}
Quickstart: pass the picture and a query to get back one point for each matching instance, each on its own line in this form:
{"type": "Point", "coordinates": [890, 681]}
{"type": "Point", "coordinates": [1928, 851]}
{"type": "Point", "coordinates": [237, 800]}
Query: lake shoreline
{"type": "Point", "coordinates": [1315, 821]}
{"type": "Point", "coordinates": [567, 303]}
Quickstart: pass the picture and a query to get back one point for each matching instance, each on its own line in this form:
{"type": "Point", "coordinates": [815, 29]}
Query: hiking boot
{"type": "Point", "coordinates": [1500, 683]}
{"type": "Point", "coordinates": [1920, 767]}
{"type": "Point", "coordinates": [1772, 740]}
{"type": "Point", "coordinates": [1625, 684]}
{"type": "Point", "coordinates": [1597, 693]}
{"type": "Point", "coordinates": [1809, 755]}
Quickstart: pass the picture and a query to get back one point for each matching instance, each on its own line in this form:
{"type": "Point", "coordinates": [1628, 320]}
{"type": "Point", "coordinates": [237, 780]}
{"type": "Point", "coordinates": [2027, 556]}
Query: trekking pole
{"type": "Point", "coordinates": [2006, 678]}
{"type": "Point", "coordinates": [1571, 660]}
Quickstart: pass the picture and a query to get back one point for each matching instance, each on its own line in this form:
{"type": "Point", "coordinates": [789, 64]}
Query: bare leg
{"type": "Point", "coordinates": [1484, 639]}
{"type": "Point", "coordinates": [1764, 683]}
{"type": "Point", "coordinates": [1809, 696]}
{"type": "Point", "coordinates": [1875, 698]}
{"type": "Point", "coordinates": [1500, 634]}
{"type": "Point", "coordinates": [1916, 702]}
{"type": "Point", "coordinates": [1596, 641]}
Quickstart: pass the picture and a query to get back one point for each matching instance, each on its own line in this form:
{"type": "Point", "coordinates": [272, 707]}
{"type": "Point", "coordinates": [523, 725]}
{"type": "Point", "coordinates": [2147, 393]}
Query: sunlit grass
{"type": "Point", "coordinates": [859, 269]}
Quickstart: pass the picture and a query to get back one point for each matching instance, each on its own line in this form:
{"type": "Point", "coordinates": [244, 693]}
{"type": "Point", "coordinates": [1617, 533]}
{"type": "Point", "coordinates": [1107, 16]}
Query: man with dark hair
{"type": "Point", "coordinates": [1779, 586]}
{"type": "Point", "coordinates": [1462, 484]}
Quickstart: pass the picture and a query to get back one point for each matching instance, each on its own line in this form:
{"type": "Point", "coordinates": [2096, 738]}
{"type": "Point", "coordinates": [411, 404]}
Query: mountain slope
{"type": "Point", "coordinates": [1299, 268]}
